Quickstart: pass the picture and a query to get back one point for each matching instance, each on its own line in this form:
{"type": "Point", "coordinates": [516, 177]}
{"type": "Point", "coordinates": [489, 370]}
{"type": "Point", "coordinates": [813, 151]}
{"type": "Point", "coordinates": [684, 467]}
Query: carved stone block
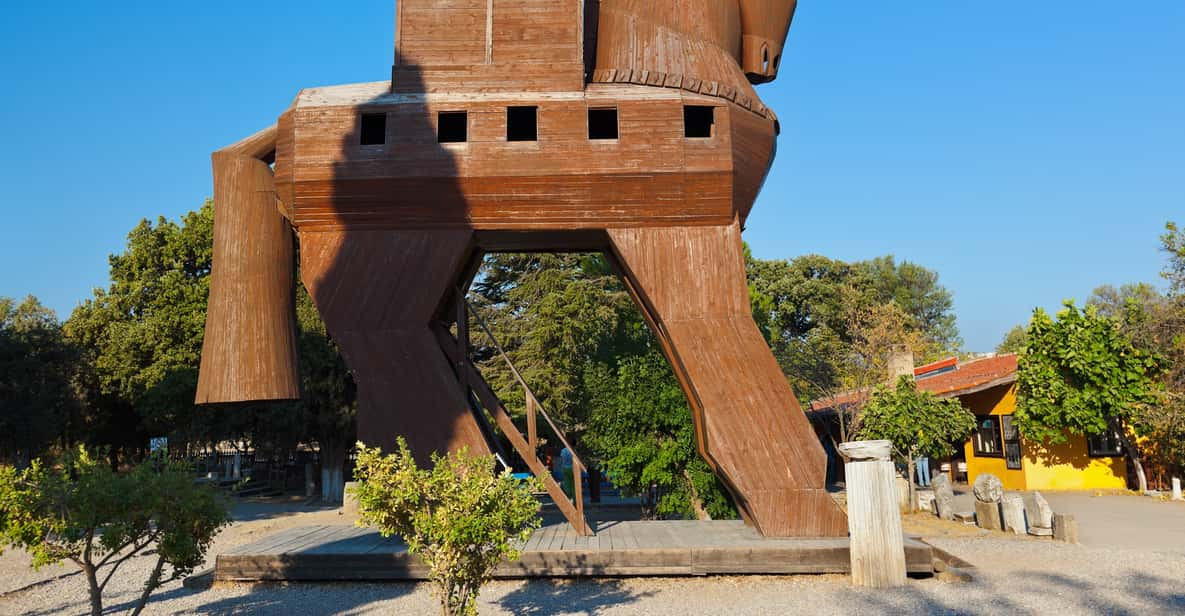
{"type": "Point", "coordinates": [987, 515]}
{"type": "Point", "coordinates": [1012, 510]}
{"type": "Point", "coordinates": [988, 488]}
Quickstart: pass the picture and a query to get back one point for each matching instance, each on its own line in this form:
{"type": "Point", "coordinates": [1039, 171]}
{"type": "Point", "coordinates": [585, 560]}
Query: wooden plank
{"type": "Point", "coordinates": [627, 537]}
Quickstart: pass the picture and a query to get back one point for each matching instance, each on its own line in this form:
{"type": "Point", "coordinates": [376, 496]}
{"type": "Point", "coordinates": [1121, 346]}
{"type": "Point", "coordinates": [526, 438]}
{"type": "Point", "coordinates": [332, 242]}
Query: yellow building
{"type": "Point", "coordinates": [987, 387]}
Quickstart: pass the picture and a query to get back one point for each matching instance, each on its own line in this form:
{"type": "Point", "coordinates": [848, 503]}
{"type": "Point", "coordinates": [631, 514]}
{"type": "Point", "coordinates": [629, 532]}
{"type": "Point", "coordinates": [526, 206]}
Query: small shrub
{"type": "Point", "coordinates": [78, 509]}
{"type": "Point", "coordinates": [460, 517]}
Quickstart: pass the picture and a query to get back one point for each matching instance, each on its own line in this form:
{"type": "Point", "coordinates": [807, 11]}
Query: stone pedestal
{"type": "Point", "coordinates": [902, 493]}
{"type": "Point", "coordinates": [1065, 528]}
{"type": "Point", "coordinates": [944, 497]}
{"type": "Point", "coordinates": [1177, 489]}
{"type": "Point", "coordinates": [349, 499]}
{"type": "Point", "coordinates": [874, 517]}
{"type": "Point", "coordinates": [1012, 512]}
{"type": "Point", "coordinates": [987, 515]}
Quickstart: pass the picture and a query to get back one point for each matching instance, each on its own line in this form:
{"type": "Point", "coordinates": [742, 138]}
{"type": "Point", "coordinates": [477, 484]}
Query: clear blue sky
{"type": "Point", "coordinates": [1027, 151]}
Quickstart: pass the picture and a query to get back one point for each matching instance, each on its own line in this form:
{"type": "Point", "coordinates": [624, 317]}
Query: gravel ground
{"type": "Point", "coordinates": [1013, 575]}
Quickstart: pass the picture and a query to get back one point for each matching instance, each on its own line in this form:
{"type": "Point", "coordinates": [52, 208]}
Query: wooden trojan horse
{"type": "Point", "coordinates": [625, 126]}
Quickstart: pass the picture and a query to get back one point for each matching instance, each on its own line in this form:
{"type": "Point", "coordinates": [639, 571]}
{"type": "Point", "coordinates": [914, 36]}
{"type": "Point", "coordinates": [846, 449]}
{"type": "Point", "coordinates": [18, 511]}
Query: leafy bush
{"type": "Point", "coordinates": [460, 517]}
{"type": "Point", "coordinates": [78, 509]}
{"type": "Point", "coordinates": [1080, 374]}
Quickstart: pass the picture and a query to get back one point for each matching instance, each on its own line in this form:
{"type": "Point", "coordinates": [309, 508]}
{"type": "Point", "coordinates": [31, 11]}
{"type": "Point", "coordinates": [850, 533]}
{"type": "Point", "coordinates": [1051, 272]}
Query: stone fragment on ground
{"type": "Point", "coordinates": [925, 500]}
{"type": "Point", "coordinates": [988, 488]}
{"type": "Point", "coordinates": [966, 517]}
{"type": "Point", "coordinates": [1012, 513]}
{"type": "Point", "coordinates": [944, 497]}
{"type": "Point", "coordinates": [1065, 528]}
{"type": "Point", "coordinates": [987, 515]}
{"type": "Point", "coordinates": [1038, 511]}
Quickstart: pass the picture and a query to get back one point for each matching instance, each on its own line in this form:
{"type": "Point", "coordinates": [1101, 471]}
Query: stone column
{"type": "Point", "coordinates": [1177, 489]}
{"type": "Point", "coordinates": [874, 521]}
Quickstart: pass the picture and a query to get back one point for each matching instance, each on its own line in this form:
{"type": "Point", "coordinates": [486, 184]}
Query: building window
{"type": "Point", "coordinates": [699, 121]}
{"type": "Point", "coordinates": [602, 123]}
{"type": "Point", "coordinates": [987, 437]}
{"type": "Point", "coordinates": [1106, 445]}
{"type": "Point", "coordinates": [1012, 457]}
{"type": "Point", "coordinates": [452, 127]}
{"type": "Point", "coordinates": [373, 129]}
{"type": "Point", "coordinates": [522, 124]}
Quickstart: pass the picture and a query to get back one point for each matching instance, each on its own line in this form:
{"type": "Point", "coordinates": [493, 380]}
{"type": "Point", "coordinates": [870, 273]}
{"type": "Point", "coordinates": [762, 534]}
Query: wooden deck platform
{"type": "Point", "coordinates": [324, 553]}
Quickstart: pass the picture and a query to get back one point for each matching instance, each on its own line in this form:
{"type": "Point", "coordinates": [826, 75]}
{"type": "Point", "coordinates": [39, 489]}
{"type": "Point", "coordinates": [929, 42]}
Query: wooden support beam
{"type": "Point", "coordinates": [573, 513]}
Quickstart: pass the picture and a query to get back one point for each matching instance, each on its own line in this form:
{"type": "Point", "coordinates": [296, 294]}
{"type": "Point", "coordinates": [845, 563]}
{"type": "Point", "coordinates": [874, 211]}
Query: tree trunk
{"type": "Point", "coordinates": [594, 484]}
{"type": "Point", "coordinates": [1133, 456]}
{"type": "Point", "coordinates": [333, 463]}
{"type": "Point", "coordinates": [96, 594]}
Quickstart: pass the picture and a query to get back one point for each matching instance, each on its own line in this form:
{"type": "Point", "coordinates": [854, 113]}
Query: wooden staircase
{"type": "Point", "coordinates": [456, 348]}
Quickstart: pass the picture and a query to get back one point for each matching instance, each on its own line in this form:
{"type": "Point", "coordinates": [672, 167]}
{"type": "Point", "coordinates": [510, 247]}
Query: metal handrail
{"type": "Point", "coordinates": [576, 461]}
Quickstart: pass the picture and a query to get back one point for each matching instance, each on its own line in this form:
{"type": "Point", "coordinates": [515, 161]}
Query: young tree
{"type": "Point", "coordinates": [918, 423]}
{"type": "Point", "coordinates": [460, 517]}
{"type": "Point", "coordinates": [80, 510]}
{"type": "Point", "coordinates": [878, 333]}
{"type": "Point", "coordinates": [1081, 375]}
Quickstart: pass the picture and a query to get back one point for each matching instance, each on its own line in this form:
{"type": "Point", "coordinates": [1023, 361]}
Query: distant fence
{"type": "Point", "coordinates": [283, 472]}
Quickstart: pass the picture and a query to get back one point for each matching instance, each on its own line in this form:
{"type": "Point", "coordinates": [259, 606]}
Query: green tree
{"type": "Point", "coordinates": [328, 397]}
{"type": "Point", "coordinates": [641, 428]}
{"type": "Point", "coordinates": [812, 307]}
{"type": "Point", "coordinates": [1080, 374]}
{"type": "Point", "coordinates": [1155, 323]}
{"type": "Point", "coordinates": [585, 350]}
{"type": "Point", "coordinates": [1014, 341]}
{"type": "Point", "coordinates": [460, 517]}
{"type": "Point", "coordinates": [36, 364]}
{"type": "Point", "coordinates": [918, 423]}
{"type": "Point", "coordinates": [917, 291]}
{"type": "Point", "coordinates": [553, 314]}
{"type": "Point", "coordinates": [78, 509]}
{"type": "Point", "coordinates": [142, 336]}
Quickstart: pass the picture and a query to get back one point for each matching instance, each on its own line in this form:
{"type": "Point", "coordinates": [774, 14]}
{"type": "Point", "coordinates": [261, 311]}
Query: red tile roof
{"type": "Point", "coordinates": [975, 375]}
{"type": "Point", "coordinates": [972, 376]}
